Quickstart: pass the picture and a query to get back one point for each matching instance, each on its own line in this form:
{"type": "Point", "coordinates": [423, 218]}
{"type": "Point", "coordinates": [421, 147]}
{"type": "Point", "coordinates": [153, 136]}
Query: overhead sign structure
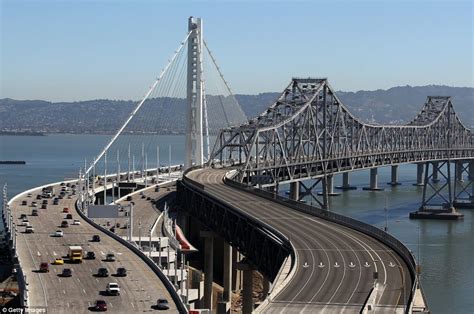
{"type": "Point", "coordinates": [103, 211]}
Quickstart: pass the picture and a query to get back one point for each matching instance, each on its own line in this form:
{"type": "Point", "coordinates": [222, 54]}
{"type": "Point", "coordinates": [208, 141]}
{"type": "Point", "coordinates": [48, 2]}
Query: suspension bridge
{"type": "Point", "coordinates": [311, 258]}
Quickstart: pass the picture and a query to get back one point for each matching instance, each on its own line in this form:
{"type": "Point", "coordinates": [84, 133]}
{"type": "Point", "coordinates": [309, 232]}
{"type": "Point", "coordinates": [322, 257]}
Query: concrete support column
{"type": "Point", "coordinates": [435, 178]}
{"type": "Point", "coordinates": [419, 174]}
{"type": "Point", "coordinates": [458, 170]}
{"type": "Point", "coordinates": [208, 267]}
{"type": "Point", "coordinates": [224, 305]}
{"type": "Point", "coordinates": [330, 186]}
{"type": "Point", "coordinates": [295, 190]}
{"type": "Point", "coordinates": [236, 273]}
{"type": "Point", "coordinates": [373, 181]}
{"type": "Point", "coordinates": [394, 177]}
{"type": "Point", "coordinates": [247, 292]}
{"type": "Point", "coordinates": [345, 183]}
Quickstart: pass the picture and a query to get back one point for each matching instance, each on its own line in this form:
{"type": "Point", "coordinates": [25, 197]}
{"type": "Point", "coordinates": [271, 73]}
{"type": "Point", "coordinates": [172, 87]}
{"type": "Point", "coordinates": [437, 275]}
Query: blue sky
{"type": "Point", "coordinates": [78, 50]}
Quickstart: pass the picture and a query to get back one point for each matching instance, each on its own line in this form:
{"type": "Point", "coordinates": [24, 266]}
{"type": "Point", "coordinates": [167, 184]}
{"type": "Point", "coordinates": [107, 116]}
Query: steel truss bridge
{"type": "Point", "coordinates": [308, 133]}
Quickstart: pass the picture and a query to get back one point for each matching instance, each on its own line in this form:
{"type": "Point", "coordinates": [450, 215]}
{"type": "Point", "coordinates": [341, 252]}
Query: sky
{"type": "Point", "coordinates": [80, 50]}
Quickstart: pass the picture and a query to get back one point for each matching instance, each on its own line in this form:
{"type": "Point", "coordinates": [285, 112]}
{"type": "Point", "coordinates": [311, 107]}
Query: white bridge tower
{"type": "Point", "coordinates": [194, 113]}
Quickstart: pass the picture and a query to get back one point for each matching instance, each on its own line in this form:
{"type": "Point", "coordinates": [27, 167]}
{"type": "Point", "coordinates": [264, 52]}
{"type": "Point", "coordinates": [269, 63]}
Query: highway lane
{"type": "Point", "coordinates": [139, 289]}
{"type": "Point", "coordinates": [335, 264]}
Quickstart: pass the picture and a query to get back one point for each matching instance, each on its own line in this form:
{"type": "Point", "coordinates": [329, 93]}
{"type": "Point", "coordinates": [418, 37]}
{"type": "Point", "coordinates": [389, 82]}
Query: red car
{"type": "Point", "coordinates": [65, 210]}
{"type": "Point", "coordinates": [100, 305]}
{"type": "Point", "coordinates": [44, 267]}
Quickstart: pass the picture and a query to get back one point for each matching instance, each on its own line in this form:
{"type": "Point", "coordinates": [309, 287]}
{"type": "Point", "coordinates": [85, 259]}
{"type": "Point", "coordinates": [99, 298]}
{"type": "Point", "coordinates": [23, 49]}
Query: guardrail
{"type": "Point", "coordinates": [360, 226]}
{"type": "Point", "coordinates": [168, 284]}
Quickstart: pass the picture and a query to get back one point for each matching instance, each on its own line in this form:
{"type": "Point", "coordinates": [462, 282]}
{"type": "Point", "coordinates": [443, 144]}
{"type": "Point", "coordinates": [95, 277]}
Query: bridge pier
{"type": "Point", "coordinates": [247, 291]}
{"type": "Point", "coordinates": [295, 191]}
{"type": "Point", "coordinates": [345, 183]}
{"type": "Point", "coordinates": [394, 176]}
{"type": "Point", "coordinates": [223, 307]}
{"type": "Point", "coordinates": [330, 186]}
{"type": "Point", "coordinates": [419, 174]}
{"type": "Point", "coordinates": [458, 166]}
{"type": "Point", "coordinates": [464, 191]}
{"type": "Point", "coordinates": [435, 178]}
{"type": "Point", "coordinates": [373, 181]}
{"type": "Point", "coordinates": [208, 267]}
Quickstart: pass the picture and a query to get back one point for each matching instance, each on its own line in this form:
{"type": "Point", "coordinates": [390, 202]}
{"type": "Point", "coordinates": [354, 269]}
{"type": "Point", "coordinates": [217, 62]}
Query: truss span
{"type": "Point", "coordinates": [308, 132]}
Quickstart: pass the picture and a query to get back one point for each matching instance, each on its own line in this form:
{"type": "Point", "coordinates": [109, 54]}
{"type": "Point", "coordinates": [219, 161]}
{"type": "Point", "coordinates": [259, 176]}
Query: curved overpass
{"type": "Point", "coordinates": [139, 289]}
{"type": "Point", "coordinates": [333, 264]}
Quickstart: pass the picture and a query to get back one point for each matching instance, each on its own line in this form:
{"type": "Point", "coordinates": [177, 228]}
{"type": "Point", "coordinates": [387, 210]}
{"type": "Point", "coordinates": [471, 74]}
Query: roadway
{"type": "Point", "coordinates": [139, 289]}
{"type": "Point", "coordinates": [334, 264]}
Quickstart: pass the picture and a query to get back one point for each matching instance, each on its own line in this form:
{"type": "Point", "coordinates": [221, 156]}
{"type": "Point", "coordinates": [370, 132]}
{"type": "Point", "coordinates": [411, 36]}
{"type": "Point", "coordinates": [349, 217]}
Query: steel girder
{"type": "Point", "coordinates": [266, 249]}
{"type": "Point", "coordinates": [308, 132]}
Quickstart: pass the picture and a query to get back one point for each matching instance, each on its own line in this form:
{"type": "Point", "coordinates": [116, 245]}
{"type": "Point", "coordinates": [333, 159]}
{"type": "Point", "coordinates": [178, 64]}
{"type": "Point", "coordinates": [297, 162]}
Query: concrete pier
{"type": "Point", "coordinates": [330, 186]}
{"type": "Point", "coordinates": [458, 171]}
{"type": "Point", "coordinates": [247, 291]}
{"type": "Point", "coordinates": [419, 174]}
{"type": "Point", "coordinates": [394, 176]}
{"type": "Point", "coordinates": [295, 190]}
{"type": "Point", "coordinates": [373, 181]}
{"type": "Point", "coordinates": [224, 305]}
{"type": "Point", "coordinates": [208, 267]}
{"type": "Point", "coordinates": [345, 183]}
{"type": "Point", "coordinates": [435, 178]}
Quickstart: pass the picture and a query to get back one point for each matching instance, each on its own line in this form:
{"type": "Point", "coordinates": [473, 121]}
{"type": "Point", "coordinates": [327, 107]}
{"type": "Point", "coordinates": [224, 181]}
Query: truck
{"type": "Point", "coordinates": [75, 254]}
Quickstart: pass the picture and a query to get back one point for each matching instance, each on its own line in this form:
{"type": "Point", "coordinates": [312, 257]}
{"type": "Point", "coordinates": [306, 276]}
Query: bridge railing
{"type": "Point", "coordinates": [370, 230]}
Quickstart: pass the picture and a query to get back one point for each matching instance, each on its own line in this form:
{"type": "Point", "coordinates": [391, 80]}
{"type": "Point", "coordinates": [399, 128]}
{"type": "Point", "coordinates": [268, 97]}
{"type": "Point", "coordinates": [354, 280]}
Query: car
{"type": "Point", "coordinates": [69, 216]}
{"type": "Point", "coordinates": [64, 224]}
{"type": "Point", "coordinates": [22, 216]}
{"type": "Point", "coordinates": [58, 233]}
{"type": "Point", "coordinates": [65, 210]}
{"type": "Point", "coordinates": [90, 255]}
{"type": "Point", "coordinates": [112, 288]}
{"type": "Point", "coordinates": [60, 197]}
{"type": "Point", "coordinates": [34, 212]}
{"type": "Point", "coordinates": [29, 229]}
{"type": "Point", "coordinates": [67, 272]}
{"type": "Point", "coordinates": [100, 305]}
{"type": "Point", "coordinates": [148, 198]}
{"type": "Point", "coordinates": [29, 195]}
{"type": "Point", "coordinates": [68, 184]}
{"type": "Point", "coordinates": [62, 184]}
{"type": "Point", "coordinates": [162, 304]}
{"type": "Point", "coordinates": [45, 202]}
{"type": "Point", "coordinates": [58, 261]}
{"type": "Point", "coordinates": [95, 238]}
{"type": "Point", "coordinates": [157, 189]}
{"type": "Point", "coordinates": [129, 198]}
{"type": "Point", "coordinates": [34, 204]}
{"type": "Point", "coordinates": [44, 206]}
{"type": "Point", "coordinates": [25, 221]}
{"type": "Point", "coordinates": [38, 197]}
{"type": "Point", "coordinates": [102, 272]}
{"type": "Point", "coordinates": [143, 196]}
{"type": "Point", "coordinates": [76, 222]}
{"type": "Point", "coordinates": [121, 272]}
{"type": "Point", "coordinates": [24, 203]}
{"type": "Point", "coordinates": [110, 257]}
{"type": "Point", "coordinates": [44, 267]}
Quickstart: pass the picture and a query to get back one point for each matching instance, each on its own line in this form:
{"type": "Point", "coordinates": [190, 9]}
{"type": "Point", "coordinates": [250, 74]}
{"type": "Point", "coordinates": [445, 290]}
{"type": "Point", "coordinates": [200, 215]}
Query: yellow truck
{"type": "Point", "coordinates": [75, 254]}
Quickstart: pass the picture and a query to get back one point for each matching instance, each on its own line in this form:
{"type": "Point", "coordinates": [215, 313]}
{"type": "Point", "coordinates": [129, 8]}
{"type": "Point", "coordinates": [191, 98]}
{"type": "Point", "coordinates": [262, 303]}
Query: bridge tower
{"type": "Point", "coordinates": [194, 132]}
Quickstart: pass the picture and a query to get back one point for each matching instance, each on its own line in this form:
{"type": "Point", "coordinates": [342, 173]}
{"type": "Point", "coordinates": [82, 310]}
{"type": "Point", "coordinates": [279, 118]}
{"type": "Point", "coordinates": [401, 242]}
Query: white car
{"type": "Point", "coordinates": [76, 222]}
{"type": "Point", "coordinates": [59, 233]}
{"type": "Point", "coordinates": [113, 288]}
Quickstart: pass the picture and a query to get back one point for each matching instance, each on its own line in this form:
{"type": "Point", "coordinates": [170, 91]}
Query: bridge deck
{"type": "Point", "coordinates": [140, 289]}
{"type": "Point", "coordinates": [319, 283]}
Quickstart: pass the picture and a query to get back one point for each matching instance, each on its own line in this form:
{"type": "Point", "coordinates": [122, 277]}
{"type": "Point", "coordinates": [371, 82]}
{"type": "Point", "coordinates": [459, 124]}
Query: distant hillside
{"type": "Point", "coordinates": [395, 105]}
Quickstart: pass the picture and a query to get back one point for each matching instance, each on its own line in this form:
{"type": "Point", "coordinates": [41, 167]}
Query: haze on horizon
{"type": "Point", "coordinates": [70, 51]}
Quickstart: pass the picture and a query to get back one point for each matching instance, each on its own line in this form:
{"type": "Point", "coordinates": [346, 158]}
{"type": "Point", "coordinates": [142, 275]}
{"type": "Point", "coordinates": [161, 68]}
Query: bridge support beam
{"type": "Point", "coordinates": [295, 191]}
{"type": "Point", "coordinates": [394, 176]}
{"type": "Point", "coordinates": [373, 181]}
{"type": "Point", "coordinates": [438, 200]}
{"type": "Point", "coordinates": [224, 306]}
{"type": "Point", "coordinates": [435, 172]}
{"type": "Point", "coordinates": [464, 190]}
{"type": "Point", "coordinates": [330, 186]}
{"type": "Point", "coordinates": [458, 166]}
{"type": "Point", "coordinates": [419, 174]}
{"type": "Point", "coordinates": [208, 267]}
{"type": "Point", "coordinates": [345, 183]}
{"type": "Point", "coordinates": [247, 292]}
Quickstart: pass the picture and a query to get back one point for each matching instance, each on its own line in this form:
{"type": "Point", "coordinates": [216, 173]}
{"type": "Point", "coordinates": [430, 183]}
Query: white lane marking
{"type": "Point", "coordinates": [54, 253]}
{"type": "Point", "coordinates": [321, 265]}
{"type": "Point", "coordinates": [102, 253]}
{"type": "Point", "coordinates": [84, 290]}
{"type": "Point", "coordinates": [39, 254]}
{"type": "Point", "coordinates": [111, 305]}
{"type": "Point", "coordinates": [88, 303]}
{"type": "Point", "coordinates": [132, 305]}
{"type": "Point", "coordinates": [305, 265]}
{"type": "Point", "coordinates": [59, 279]}
{"type": "Point", "coordinates": [352, 265]}
{"type": "Point", "coordinates": [64, 291]}
{"type": "Point", "coordinates": [336, 265]}
{"type": "Point", "coordinates": [366, 264]}
{"type": "Point", "coordinates": [391, 264]}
